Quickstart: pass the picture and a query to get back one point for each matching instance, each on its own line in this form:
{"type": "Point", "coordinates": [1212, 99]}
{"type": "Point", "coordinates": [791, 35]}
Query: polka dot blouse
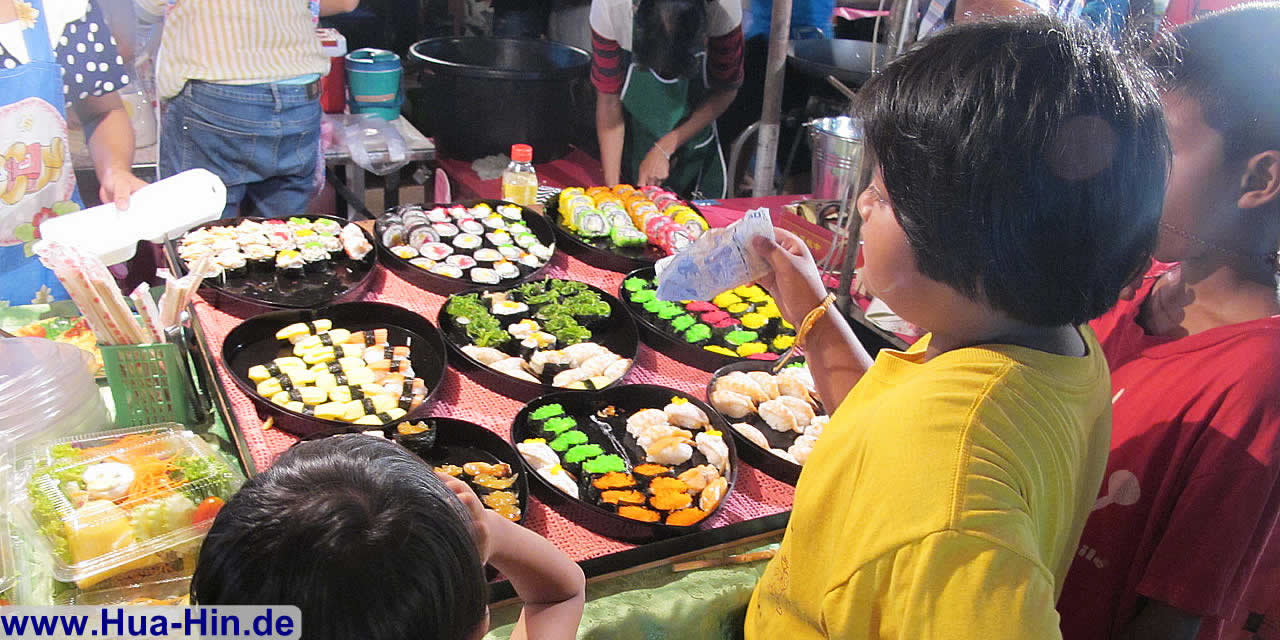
{"type": "Point", "coordinates": [91, 65]}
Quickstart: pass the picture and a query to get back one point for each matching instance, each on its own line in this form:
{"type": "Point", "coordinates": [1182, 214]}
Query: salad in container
{"type": "Point", "coordinates": [119, 501]}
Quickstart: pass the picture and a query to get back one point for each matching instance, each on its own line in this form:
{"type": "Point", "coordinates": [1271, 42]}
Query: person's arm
{"type": "Point", "coordinates": [836, 359]}
{"type": "Point", "coordinates": [109, 136]}
{"type": "Point", "coordinates": [611, 130]}
{"type": "Point", "coordinates": [149, 11]}
{"type": "Point", "coordinates": [334, 7]}
{"type": "Point", "coordinates": [1159, 621]}
{"type": "Point", "coordinates": [656, 164]}
{"type": "Point", "coordinates": [974, 10]}
{"type": "Point", "coordinates": [552, 587]}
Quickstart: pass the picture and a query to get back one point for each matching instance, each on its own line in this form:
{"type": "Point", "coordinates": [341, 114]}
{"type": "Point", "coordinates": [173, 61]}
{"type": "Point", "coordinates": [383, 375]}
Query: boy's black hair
{"type": "Point", "coordinates": [669, 35]}
{"type": "Point", "coordinates": [1026, 160]}
{"type": "Point", "coordinates": [1229, 62]}
{"type": "Point", "coordinates": [358, 533]}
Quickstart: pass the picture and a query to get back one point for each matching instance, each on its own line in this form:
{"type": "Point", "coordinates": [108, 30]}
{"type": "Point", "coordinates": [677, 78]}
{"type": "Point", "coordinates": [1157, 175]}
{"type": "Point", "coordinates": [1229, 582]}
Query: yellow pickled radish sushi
{"type": "Point", "coordinates": [327, 339]}
{"type": "Point", "coordinates": [297, 331]}
{"type": "Point", "coordinates": [356, 377]}
{"type": "Point", "coordinates": [285, 381]}
{"type": "Point", "coordinates": [383, 417]}
{"type": "Point", "coordinates": [331, 410]}
{"type": "Point", "coordinates": [323, 354]}
{"type": "Point", "coordinates": [258, 373]}
{"type": "Point", "coordinates": [305, 395]}
{"type": "Point", "coordinates": [347, 393]}
{"type": "Point", "coordinates": [341, 365]}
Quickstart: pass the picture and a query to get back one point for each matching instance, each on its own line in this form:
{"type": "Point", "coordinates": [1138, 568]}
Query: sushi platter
{"type": "Point", "coordinates": [532, 338]}
{"type": "Point", "coordinates": [635, 462]}
{"type": "Point", "coordinates": [296, 263]}
{"type": "Point", "coordinates": [742, 324]}
{"type": "Point", "coordinates": [623, 228]}
{"type": "Point", "coordinates": [341, 368]}
{"type": "Point", "coordinates": [775, 419]}
{"type": "Point", "coordinates": [449, 248]}
{"type": "Point", "coordinates": [472, 454]}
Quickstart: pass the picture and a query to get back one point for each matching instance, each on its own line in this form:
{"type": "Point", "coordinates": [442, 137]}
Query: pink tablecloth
{"type": "Point", "coordinates": [755, 495]}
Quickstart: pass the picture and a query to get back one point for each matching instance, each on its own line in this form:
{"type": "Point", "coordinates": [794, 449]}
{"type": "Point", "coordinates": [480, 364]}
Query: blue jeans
{"type": "Point", "coordinates": [263, 140]}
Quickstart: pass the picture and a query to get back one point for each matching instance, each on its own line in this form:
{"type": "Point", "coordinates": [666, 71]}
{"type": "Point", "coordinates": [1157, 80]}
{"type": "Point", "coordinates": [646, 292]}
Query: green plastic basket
{"type": "Point", "coordinates": [148, 383]}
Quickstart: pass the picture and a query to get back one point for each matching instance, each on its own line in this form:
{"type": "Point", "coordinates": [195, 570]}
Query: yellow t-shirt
{"type": "Point", "coordinates": [944, 500]}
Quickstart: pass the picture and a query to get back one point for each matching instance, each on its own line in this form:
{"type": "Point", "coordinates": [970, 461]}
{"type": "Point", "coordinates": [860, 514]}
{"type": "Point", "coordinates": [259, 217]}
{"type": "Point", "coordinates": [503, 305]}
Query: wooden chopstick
{"type": "Point", "coordinates": [743, 558]}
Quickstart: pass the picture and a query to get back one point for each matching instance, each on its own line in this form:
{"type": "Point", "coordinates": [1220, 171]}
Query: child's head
{"type": "Point", "coordinates": [669, 35]}
{"type": "Point", "coordinates": [1024, 161]}
{"type": "Point", "coordinates": [1221, 83]}
{"type": "Point", "coordinates": [357, 532]}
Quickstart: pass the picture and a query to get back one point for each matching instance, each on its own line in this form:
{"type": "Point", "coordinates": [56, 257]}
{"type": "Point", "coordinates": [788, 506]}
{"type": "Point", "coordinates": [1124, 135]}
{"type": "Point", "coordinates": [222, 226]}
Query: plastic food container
{"type": "Point", "coordinates": [119, 501]}
{"type": "Point", "coordinates": [8, 569]}
{"type": "Point", "coordinates": [47, 391]}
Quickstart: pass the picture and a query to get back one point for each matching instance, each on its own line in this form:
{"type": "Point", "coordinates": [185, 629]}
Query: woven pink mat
{"type": "Point", "coordinates": [755, 495]}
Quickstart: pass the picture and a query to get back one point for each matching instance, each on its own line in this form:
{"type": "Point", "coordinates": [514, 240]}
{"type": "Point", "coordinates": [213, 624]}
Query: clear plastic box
{"type": "Point", "coordinates": [170, 591]}
{"type": "Point", "coordinates": [8, 566]}
{"type": "Point", "coordinates": [120, 501]}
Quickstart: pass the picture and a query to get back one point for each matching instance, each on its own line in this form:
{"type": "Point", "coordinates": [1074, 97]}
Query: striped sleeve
{"type": "Point", "coordinates": [724, 60]}
{"type": "Point", "coordinates": [607, 68]}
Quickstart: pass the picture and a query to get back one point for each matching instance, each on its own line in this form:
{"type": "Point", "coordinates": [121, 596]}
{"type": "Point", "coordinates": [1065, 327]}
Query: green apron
{"type": "Point", "coordinates": [653, 106]}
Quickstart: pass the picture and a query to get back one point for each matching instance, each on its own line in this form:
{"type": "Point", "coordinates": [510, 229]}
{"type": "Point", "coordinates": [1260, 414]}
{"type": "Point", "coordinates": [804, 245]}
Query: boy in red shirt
{"type": "Point", "coordinates": [1191, 493]}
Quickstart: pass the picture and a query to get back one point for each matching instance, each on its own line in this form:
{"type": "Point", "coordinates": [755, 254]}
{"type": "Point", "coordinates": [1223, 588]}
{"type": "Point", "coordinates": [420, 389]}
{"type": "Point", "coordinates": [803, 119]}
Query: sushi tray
{"type": "Point", "coordinates": [742, 324]}
{"type": "Point", "coordinates": [452, 247]}
{"type": "Point", "coordinates": [532, 338]}
{"type": "Point", "coordinates": [635, 462]}
{"type": "Point", "coordinates": [775, 419]}
{"type": "Point", "coordinates": [623, 228]}
{"type": "Point", "coordinates": [471, 453]}
{"type": "Point", "coordinates": [347, 367]}
{"type": "Point", "coordinates": [296, 263]}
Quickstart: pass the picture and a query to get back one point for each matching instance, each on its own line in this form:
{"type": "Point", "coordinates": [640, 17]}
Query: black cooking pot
{"type": "Point", "coordinates": [482, 95]}
{"type": "Point", "coordinates": [848, 60]}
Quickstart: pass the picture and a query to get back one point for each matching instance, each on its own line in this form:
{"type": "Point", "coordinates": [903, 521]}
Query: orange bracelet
{"type": "Point", "coordinates": [812, 318]}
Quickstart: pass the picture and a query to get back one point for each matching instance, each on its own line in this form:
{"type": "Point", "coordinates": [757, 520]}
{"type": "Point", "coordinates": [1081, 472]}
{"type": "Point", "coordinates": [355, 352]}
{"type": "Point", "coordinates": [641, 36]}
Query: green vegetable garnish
{"type": "Point", "coordinates": [204, 477]}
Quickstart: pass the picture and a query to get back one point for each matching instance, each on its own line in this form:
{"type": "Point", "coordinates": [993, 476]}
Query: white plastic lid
{"type": "Point", "coordinates": [160, 210]}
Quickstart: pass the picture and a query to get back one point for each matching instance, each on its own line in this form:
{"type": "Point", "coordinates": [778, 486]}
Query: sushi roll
{"type": "Point", "coordinates": [233, 264]}
{"type": "Point", "coordinates": [438, 214]}
{"type": "Point", "coordinates": [392, 234]}
{"type": "Point", "coordinates": [506, 269]}
{"type": "Point", "coordinates": [511, 212]}
{"type": "Point", "coordinates": [297, 222]}
{"type": "Point", "coordinates": [314, 258]}
{"type": "Point", "coordinates": [541, 250]}
{"type": "Point", "coordinates": [261, 257]}
{"type": "Point", "coordinates": [420, 234]}
{"type": "Point", "coordinates": [422, 263]}
{"type": "Point", "coordinates": [481, 210]}
{"type": "Point", "coordinates": [354, 242]}
{"type": "Point", "coordinates": [628, 237]}
{"type": "Point", "coordinates": [447, 270]}
{"type": "Point", "coordinates": [435, 251]}
{"type": "Point", "coordinates": [498, 238]}
{"type": "Point", "coordinates": [517, 227]}
{"type": "Point", "coordinates": [467, 241]}
{"type": "Point", "coordinates": [590, 223]}
{"type": "Point", "coordinates": [510, 251]}
{"type": "Point", "coordinates": [289, 263]}
{"type": "Point", "coordinates": [471, 226]}
{"type": "Point", "coordinates": [404, 252]}
{"type": "Point", "coordinates": [332, 244]}
{"type": "Point", "coordinates": [495, 221]}
{"type": "Point", "coordinates": [525, 240]}
{"type": "Point", "coordinates": [509, 311]}
{"type": "Point", "coordinates": [487, 255]}
{"type": "Point", "coordinates": [549, 362]}
{"type": "Point", "coordinates": [326, 227]}
{"type": "Point", "coordinates": [484, 275]}
{"type": "Point", "coordinates": [530, 260]}
{"type": "Point", "coordinates": [461, 261]}
{"type": "Point", "coordinates": [445, 229]}
{"type": "Point", "coordinates": [537, 341]}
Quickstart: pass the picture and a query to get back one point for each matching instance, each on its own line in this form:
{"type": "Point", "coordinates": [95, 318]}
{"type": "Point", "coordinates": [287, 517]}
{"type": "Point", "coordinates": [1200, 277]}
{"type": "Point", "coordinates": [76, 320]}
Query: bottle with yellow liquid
{"type": "Point", "coordinates": [519, 180]}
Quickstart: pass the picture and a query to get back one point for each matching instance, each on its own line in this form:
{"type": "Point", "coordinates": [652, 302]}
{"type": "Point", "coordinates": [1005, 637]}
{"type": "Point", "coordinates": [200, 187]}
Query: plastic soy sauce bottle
{"type": "Point", "coordinates": [519, 180]}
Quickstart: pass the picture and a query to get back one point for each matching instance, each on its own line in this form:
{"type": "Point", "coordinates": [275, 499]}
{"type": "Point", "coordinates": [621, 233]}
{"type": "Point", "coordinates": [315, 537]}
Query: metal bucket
{"type": "Point", "coordinates": [837, 156]}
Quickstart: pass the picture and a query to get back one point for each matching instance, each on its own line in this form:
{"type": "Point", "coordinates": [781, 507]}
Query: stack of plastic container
{"type": "Point", "coordinates": [47, 391]}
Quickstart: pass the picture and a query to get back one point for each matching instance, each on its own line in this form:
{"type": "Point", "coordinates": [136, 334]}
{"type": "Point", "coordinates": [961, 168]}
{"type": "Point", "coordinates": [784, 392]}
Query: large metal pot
{"type": "Point", "coordinates": [837, 156]}
{"type": "Point", "coordinates": [483, 95]}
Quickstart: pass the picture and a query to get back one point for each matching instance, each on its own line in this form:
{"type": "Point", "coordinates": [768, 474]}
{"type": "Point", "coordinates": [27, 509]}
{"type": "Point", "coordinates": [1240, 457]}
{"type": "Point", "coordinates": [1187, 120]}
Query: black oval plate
{"type": "Point", "coordinates": [751, 452]}
{"type": "Point", "coordinates": [458, 442]}
{"type": "Point", "coordinates": [629, 399]}
{"type": "Point", "coordinates": [600, 252]}
{"type": "Point", "coordinates": [442, 285]}
{"type": "Point", "coordinates": [617, 333]}
{"type": "Point", "coordinates": [345, 278]}
{"type": "Point", "coordinates": [662, 340]}
{"type": "Point", "coordinates": [254, 342]}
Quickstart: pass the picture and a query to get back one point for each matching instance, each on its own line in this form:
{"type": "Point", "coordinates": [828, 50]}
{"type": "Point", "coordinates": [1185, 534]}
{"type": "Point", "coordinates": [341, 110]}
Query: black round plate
{"type": "Point", "coordinates": [253, 342]}
{"type": "Point", "coordinates": [666, 342]}
{"type": "Point", "coordinates": [442, 285]}
{"type": "Point", "coordinates": [751, 452]}
{"type": "Point", "coordinates": [600, 252]}
{"type": "Point", "coordinates": [459, 442]}
{"type": "Point", "coordinates": [346, 278]}
{"type": "Point", "coordinates": [612, 434]}
{"type": "Point", "coordinates": [617, 333]}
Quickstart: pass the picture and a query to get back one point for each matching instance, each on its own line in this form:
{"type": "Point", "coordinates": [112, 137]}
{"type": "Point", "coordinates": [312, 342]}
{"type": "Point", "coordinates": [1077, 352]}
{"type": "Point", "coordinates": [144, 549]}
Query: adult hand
{"type": "Point", "coordinates": [654, 169]}
{"type": "Point", "coordinates": [795, 282]}
{"type": "Point", "coordinates": [118, 185]}
{"type": "Point", "coordinates": [1166, 306]}
{"type": "Point", "coordinates": [480, 532]}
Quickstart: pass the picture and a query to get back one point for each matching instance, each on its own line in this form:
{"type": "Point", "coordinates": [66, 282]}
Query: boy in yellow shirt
{"type": "Point", "coordinates": [1020, 166]}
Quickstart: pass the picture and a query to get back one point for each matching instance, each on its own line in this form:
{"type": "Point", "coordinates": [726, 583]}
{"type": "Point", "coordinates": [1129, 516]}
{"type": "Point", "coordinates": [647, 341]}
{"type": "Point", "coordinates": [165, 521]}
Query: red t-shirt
{"type": "Point", "coordinates": [1190, 494]}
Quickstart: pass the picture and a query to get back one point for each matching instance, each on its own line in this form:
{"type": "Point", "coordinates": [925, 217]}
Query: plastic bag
{"type": "Point", "coordinates": [374, 144]}
{"type": "Point", "coordinates": [720, 260]}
